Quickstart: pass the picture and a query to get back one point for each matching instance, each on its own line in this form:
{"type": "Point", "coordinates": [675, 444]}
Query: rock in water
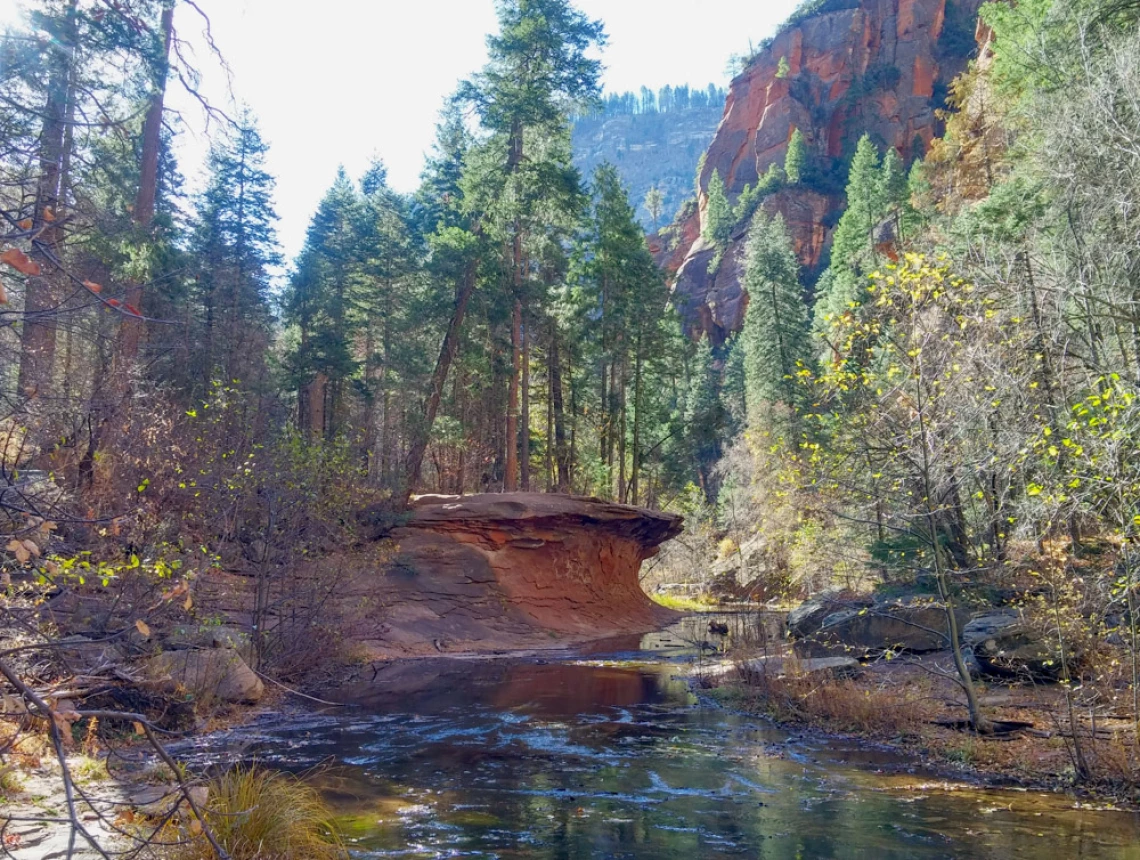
{"type": "Point", "coordinates": [808, 617]}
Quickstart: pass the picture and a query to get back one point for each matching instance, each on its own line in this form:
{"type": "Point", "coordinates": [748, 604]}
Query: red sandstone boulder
{"type": "Point", "coordinates": [517, 570]}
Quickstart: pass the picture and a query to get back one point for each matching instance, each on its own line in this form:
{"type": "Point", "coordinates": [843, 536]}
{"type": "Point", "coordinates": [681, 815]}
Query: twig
{"type": "Point", "coordinates": [296, 692]}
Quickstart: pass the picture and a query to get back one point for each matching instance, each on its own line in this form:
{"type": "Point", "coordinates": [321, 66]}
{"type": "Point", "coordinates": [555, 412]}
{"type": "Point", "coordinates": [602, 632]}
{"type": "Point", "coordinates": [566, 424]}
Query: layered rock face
{"type": "Point", "coordinates": [880, 67]}
{"type": "Point", "coordinates": [512, 570]}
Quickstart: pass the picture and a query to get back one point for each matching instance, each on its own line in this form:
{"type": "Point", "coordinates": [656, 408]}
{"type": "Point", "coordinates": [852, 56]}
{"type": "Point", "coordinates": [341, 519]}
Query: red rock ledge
{"type": "Point", "coordinates": [517, 570]}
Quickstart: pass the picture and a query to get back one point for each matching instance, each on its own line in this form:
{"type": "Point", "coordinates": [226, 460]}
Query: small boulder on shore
{"type": "Point", "coordinates": [219, 673]}
{"type": "Point", "coordinates": [809, 616]}
{"type": "Point", "coordinates": [1015, 650]}
{"type": "Point", "coordinates": [859, 631]}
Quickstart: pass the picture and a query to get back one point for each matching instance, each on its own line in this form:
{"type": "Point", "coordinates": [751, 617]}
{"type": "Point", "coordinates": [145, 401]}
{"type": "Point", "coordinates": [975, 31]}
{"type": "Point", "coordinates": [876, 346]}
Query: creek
{"type": "Point", "coordinates": [606, 753]}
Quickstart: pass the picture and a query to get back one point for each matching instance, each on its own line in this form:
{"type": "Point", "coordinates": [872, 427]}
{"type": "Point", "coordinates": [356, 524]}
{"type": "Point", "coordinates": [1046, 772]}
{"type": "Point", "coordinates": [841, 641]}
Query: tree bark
{"type": "Point", "coordinates": [561, 453]}
{"type": "Point", "coordinates": [38, 339]}
{"type": "Point", "coordinates": [510, 480]}
{"type": "Point", "coordinates": [635, 482]}
{"type": "Point", "coordinates": [524, 423]}
{"type": "Point", "coordinates": [130, 330]}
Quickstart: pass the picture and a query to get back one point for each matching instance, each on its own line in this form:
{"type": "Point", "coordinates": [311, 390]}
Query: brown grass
{"type": "Point", "coordinates": [837, 704]}
{"type": "Point", "coordinates": [257, 814]}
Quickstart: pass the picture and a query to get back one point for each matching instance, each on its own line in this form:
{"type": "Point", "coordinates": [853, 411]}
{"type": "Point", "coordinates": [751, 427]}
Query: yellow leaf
{"type": "Point", "coordinates": [32, 548]}
{"type": "Point", "coordinates": [142, 628]}
{"type": "Point", "coordinates": [93, 287]}
{"type": "Point", "coordinates": [195, 827]}
{"type": "Point", "coordinates": [189, 604]}
{"type": "Point", "coordinates": [139, 730]}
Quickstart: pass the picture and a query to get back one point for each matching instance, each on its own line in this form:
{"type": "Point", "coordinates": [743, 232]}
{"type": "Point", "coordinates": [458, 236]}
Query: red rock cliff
{"type": "Point", "coordinates": [879, 67]}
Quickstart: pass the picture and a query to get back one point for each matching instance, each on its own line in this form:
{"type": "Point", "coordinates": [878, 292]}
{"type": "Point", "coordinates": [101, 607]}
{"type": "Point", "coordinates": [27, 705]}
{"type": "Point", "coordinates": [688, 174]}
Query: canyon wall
{"type": "Point", "coordinates": [880, 67]}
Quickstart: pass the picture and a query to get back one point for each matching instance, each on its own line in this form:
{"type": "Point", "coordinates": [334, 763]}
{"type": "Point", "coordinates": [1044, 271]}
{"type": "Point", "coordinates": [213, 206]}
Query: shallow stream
{"type": "Point", "coordinates": [609, 755]}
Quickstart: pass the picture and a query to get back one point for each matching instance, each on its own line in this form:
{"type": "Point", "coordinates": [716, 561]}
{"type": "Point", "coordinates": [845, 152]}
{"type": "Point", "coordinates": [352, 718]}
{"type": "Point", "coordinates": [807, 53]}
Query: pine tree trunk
{"type": "Point", "coordinates": [636, 468]}
{"type": "Point", "coordinates": [622, 488]}
{"type": "Point", "coordinates": [318, 395]}
{"type": "Point", "coordinates": [38, 339]}
{"type": "Point", "coordinates": [573, 455]}
{"type": "Point", "coordinates": [130, 331]}
{"type": "Point", "coordinates": [524, 461]}
{"type": "Point", "coordinates": [389, 450]}
{"type": "Point", "coordinates": [561, 453]}
{"type": "Point", "coordinates": [510, 480]}
{"type": "Point", "coordinates": [549, 459]}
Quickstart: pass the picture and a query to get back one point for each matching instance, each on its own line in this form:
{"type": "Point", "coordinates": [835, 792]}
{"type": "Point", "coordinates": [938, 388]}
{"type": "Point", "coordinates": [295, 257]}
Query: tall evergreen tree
{"type": "Point", "coordinates": [235, 245]}
{"type": "Point", "coordinates": [796, 159]}
{"type": "Point", "coordinates": [627, 293]}
{"type": "Point", "coordinates": [654, 205]}
{"type": "Point", "coordinates": [776, 333]}
{"type": "Point", "coordinates": [318, 304]}
{"type": "Point", "coordinates": [853, 248]}
{"type": "Point", "coordinates": [719, 219]}
{"type": "Point", "coordinates": [704, 416]}
{"type": "Point", "coordinates": [539, 69]}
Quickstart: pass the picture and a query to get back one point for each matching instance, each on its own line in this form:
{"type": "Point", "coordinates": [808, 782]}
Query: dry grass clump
{"type": "Point", "coordinates": [839, 704]}
{"type": "Point", "coordinates": [10, 782]}
{"type": "Point", "coordinates": [261, 814]}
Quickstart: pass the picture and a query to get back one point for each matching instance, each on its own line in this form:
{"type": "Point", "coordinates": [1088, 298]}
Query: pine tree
{"type": "Point", "coordinates": [629, 297]}
{"type": "Point", "coordinates": [796, 159]}
{"type": "Point", "coordinates": [734, 393]}
{"type": "Point", "coordinates": [853, 248]}
{"type": "Point", "coordinates": [235, 245]}
{"type": "Point", "coordinates": [654, 205]}
{"type": "Point", "coordinates": [389, 307]}
{"type": "Point", "coordinates": [704, 416]}
{"type": "Point", "coordinates": [437, 203]}
{"type": "Point", "coordinates": [775, 337]}
{"type": "Point", "coordinates": [318, 304]}
{"type": "Point", "coordinates": [719, 219]}
{"type": "Point", "coordinates": [538, 70]}
{"type": "Point", "coordinates": [894, 179]}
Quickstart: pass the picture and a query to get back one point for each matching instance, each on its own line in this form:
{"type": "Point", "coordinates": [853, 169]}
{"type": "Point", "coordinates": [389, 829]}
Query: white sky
{"type": "Point", "coordinates": [337, 81]}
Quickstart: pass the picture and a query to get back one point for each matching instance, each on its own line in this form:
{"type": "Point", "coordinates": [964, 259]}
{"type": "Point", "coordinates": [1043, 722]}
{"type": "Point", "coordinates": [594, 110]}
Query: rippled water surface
{"type": "Point", "coordinates": [613, 758]}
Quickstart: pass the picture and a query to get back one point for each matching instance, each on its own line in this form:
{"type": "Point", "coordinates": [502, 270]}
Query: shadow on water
{"type": "Point", "coordinates": [603, 756]}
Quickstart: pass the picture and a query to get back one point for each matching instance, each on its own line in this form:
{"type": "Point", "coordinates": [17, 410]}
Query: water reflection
{"type": "Point", "coordinates": [571, 759]}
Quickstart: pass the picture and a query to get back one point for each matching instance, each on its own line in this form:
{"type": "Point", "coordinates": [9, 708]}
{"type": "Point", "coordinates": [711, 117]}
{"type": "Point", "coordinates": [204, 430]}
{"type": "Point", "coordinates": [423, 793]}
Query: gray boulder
{"type": "Point", "coordinates": [809, 616]}
{"type": "Point", "coordinates": [838, 667]}
{"type": "Point", "coordinates": [987, 625]}
{"type": "Point", "coordinates": [914, 627]}
{"type": "Point", "coordinates": [1019, 651]}
{"type": "Point", "coordinates": [218, 673]}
